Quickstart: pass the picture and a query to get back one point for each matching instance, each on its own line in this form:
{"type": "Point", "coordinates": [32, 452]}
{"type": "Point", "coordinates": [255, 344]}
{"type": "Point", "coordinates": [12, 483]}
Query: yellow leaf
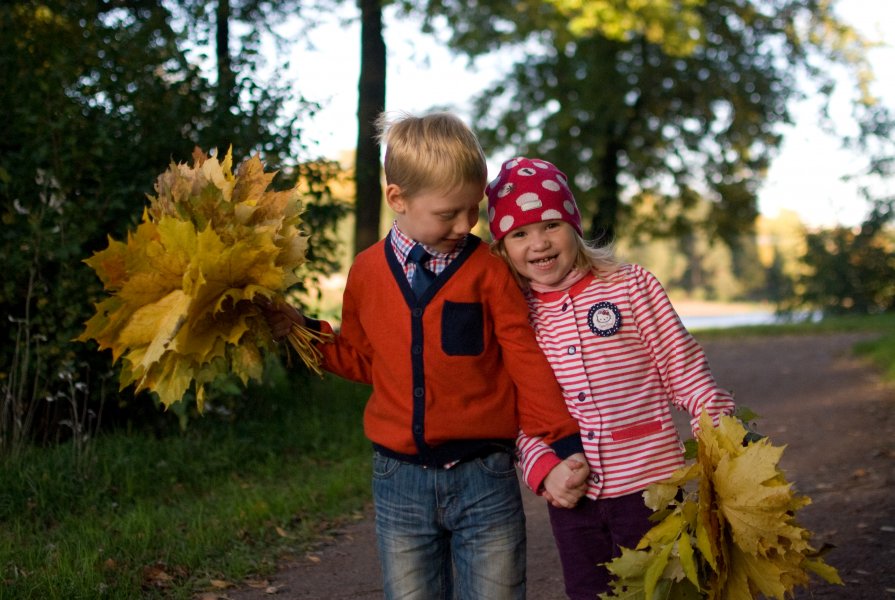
{"type": "Point", "coordinates": [822, 569]}
{"type": "Point", "coordinates": [749, 572]}
{"type": "Point", "coordinates": [688, 559]}
{"type": "Point", "coordinates": [180, 310]}
{"type": "Point", "coordinates": [219, 174]}
{"type": "Point", "coordinates": [664, 533]}
{"type": "Point", "coordinates": [659, 495]}
{"type": "Point", "coordinates": [247, 362]}
{"type": "Point", "coordinates": [705, 546]}
{"type": "Point", "coordinates": [170, 378]}
{"type": "Point", "coordinates": [153, 271]}
{"type": "Point", "coordinates": [105, 325]}
{"type": "Point", "coordinates": [154, 325]}
{"type": "Point", "coordinates": [110, 265]}
{"type": "Point", "coordinates": [252, 185]}
{"type": "Point", "coordinates": [756, 511]}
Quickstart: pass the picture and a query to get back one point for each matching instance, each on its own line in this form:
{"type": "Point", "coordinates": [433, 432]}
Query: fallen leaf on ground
{"type": "Point", "coordinates": [155, 575]}
{"type": "Point", "coordinates": [282, 532]}
{"type": "Point", "coordinates": [257, 583]}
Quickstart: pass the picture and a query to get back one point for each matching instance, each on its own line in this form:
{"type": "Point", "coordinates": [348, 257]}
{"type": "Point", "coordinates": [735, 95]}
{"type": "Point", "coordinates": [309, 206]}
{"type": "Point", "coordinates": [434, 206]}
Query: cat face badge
{"type": "Point", "coordinates": [604, 319]}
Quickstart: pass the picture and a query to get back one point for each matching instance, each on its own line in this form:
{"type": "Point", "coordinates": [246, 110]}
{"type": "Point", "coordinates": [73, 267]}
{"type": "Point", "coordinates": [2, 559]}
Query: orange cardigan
{"type": "Point", "coordinates": [457, 370]}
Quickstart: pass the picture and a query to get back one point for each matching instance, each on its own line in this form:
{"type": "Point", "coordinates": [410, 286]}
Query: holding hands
{"type": "Point", "coordinates": [566, 483]}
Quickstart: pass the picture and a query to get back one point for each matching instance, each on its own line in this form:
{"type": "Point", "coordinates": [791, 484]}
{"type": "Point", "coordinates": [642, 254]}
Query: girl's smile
{"type": "Point", "coordinates": [543, 252]}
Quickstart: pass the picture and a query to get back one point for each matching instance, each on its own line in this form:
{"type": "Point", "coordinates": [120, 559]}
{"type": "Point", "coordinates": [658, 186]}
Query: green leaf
{"type": "Point", "coordinates": [655, 569]}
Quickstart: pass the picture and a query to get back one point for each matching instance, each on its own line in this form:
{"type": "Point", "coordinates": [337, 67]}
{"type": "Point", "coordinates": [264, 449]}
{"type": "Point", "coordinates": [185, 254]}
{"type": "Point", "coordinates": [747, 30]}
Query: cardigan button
{"type": "Point", "coordinates": [590, 435]}
{"type": "Point", "coordinates": [417, 312]}
{"type": "Point", "coordinates": [565, 305]}
{"type": "Point", "coordinates": [581, 396]}
{"type": "Point", "coordinates": [417, 349]}
{"type": "Point", "coordinates": [571, 350]}
{"type": "Point", "coordinates": [418, 392]}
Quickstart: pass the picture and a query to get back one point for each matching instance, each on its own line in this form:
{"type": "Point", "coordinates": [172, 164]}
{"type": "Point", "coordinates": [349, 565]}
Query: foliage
{"type": "Point", "coordinates": [63, 174]}
{"type": "Point", "coordinates": [247, 90]}
{"type": "Point", "coordinates": [850, 271]}
{"type": "Point", "coordinates": [181, 309]}
{"type": "Point", "coordinates": [881, 349]}
{"type": "Point", "coordinates": [672, 24]}
{"type": "Point", "coordinates": [630, 119]}
{"type": "Point", "coordinates": [161, 516]}
{"type": "Point", "coordinates": [115, 77]}
{"type": "Point", "coordinates": [733, 537]}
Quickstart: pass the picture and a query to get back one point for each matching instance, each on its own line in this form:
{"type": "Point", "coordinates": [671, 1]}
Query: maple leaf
{"type": "Point", "coordinates": [733, 537]}
{"type": "Point", "coordinates": [181, 309]}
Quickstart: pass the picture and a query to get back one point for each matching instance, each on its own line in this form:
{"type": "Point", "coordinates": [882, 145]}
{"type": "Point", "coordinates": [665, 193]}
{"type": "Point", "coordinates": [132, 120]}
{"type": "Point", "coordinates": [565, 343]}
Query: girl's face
{"type": "Point", "coordinates": [544, 252]}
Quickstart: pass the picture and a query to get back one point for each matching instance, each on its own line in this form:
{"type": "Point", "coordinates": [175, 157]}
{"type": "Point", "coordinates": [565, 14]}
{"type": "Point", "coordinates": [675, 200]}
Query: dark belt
{"type": "Point", "coordinates": [450, 453]}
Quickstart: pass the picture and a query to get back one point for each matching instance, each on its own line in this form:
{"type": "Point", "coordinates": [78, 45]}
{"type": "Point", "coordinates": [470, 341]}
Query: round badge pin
{"type": "Point", "coordinates": [604, 319]}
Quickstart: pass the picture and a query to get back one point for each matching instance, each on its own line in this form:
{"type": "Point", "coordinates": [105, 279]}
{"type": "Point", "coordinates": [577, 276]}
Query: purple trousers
{"type": "Point", "coordinates": [591, 534]}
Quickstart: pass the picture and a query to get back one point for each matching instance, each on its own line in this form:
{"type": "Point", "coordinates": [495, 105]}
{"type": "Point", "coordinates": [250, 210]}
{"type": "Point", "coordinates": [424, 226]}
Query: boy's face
{"type": "Point", "coordinates": [438, 219]}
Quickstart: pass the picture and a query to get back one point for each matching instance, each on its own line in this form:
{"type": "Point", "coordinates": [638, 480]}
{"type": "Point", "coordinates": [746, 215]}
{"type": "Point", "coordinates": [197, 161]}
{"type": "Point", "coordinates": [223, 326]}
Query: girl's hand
{"type": "Point", "coordinates": [566, 483]}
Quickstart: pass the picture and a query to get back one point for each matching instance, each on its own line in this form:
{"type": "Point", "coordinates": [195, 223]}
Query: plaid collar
{"type": "Point", "coordinates": [402, 244]}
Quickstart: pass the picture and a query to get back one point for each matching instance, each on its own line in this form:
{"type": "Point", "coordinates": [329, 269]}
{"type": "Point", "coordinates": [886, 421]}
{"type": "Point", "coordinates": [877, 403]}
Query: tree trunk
{"type": "Point", "coordinates": [371, 102]}
{"type": "Point", "coordinates": [602, 228]}
{"type": "Point", "coordinates": [224, 97]}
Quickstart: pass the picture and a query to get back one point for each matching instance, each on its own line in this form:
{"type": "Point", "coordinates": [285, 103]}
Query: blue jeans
{"type": "Point", "coordinates": [442, 532]}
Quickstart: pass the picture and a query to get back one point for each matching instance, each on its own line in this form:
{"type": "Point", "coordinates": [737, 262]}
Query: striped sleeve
{"type": "Point", "coordinates": [536, 459]}
{"type": "Point", "coordinates": [682, 363]}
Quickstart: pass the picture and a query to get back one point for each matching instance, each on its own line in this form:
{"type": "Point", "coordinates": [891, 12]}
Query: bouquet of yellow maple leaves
{"type": "Point", "coordinates": [183, 288]}
{"type": "Point", "coordinates": [734, 537]}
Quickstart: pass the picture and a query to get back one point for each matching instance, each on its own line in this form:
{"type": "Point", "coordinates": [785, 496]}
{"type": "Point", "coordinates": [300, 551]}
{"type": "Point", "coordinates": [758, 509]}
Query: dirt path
{"type": "Point", "coordinates": [830, 409]}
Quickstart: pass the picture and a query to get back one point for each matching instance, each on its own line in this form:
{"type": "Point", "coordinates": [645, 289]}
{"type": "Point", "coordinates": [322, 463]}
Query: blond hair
{"type": "Point", "coordinates": [437, 151]}
{"type": "Point", "coordinates": [600, 260]}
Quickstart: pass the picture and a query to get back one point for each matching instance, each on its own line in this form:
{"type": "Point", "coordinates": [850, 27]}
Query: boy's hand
{"type": "Point", "coordinates": [280, 317]}
{"type": "Point", "coordinates": [566, 483]}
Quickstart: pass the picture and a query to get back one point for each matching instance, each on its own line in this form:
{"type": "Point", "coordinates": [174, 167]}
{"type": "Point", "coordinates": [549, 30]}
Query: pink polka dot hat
{"type": "Point", "coordinates": [529, 190]}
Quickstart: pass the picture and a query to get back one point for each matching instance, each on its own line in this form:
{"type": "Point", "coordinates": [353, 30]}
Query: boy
{"type": "Point", "coordinates": [439, 327]}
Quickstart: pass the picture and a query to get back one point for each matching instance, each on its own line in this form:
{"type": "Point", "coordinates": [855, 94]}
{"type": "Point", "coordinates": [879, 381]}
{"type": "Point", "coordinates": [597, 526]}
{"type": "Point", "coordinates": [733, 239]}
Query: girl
{"type": "Point", "coordinates": [621, 355]}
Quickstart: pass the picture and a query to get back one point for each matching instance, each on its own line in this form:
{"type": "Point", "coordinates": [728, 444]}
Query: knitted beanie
{"type": "Point", "coordinates": [529, 190]}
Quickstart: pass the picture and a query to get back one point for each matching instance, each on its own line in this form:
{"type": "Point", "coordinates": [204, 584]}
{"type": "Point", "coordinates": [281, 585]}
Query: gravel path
{"type": "Point", "coordinates": [831, 411]}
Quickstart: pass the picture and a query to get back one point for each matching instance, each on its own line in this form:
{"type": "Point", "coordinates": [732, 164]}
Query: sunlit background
{"type": "Point", "coordinates": [806, 177]}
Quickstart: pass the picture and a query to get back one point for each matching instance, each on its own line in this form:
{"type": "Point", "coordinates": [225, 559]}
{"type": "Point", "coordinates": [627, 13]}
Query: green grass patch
{"type": "Point", "coordinates": [145, 517]}
{"type": "Point", "coordinates": [881, 350]}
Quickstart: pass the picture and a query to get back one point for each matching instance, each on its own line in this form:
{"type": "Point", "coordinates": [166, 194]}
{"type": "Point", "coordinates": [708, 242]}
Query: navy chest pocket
{"type": "Point", "coordinates": [462, 329]}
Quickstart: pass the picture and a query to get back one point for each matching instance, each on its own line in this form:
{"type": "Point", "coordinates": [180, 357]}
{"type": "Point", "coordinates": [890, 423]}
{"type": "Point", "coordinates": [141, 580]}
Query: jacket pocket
{"type": "Point", "coordinates": [462, 329]}
{"type": "Point", "coordinates": [636, 431]}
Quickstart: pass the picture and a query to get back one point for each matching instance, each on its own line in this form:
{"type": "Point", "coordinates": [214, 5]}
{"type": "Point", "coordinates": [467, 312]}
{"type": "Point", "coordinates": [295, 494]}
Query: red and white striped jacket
{"type": "Point", "coordinates": [623, 358]}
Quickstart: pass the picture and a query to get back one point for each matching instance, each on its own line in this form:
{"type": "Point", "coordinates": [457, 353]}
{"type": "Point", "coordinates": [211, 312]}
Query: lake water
{"type": "Point", "coordinates": [694, 322]}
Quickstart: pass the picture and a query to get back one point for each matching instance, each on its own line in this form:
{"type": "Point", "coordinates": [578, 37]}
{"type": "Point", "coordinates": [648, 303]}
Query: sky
{"type": "Point", "coordinates": [805, 177]}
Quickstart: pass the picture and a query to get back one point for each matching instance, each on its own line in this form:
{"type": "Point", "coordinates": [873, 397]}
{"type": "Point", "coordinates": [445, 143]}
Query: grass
{"type": "Point", "coordinates": [175, 516]}
{"type": "Point", "coordinates": [172, 517]}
